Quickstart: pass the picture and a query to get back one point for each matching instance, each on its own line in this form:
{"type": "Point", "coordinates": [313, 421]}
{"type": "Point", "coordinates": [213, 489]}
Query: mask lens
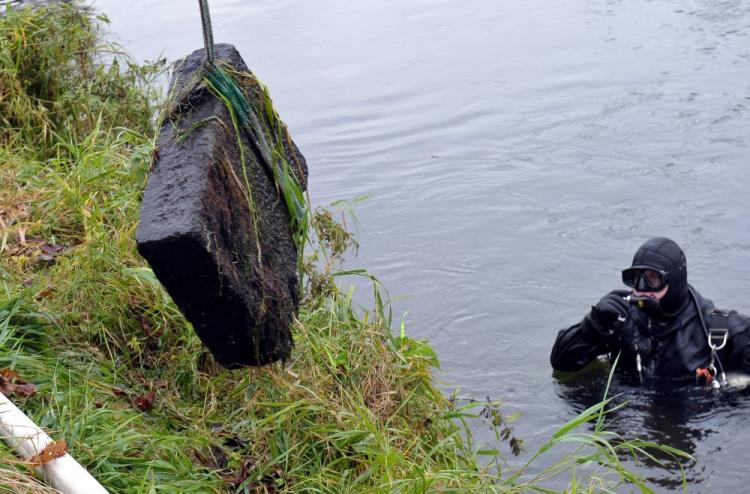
{"type": "Point", "coordinates": [653, 279]}
{"type": "Point", "coordinates": [643, 280]}
{"type": "Point", "coordinates": [629, 277]}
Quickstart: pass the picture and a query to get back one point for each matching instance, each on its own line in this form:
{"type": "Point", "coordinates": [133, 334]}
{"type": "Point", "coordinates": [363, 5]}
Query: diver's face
{"type": "Point", "coordinates": [655, 295]}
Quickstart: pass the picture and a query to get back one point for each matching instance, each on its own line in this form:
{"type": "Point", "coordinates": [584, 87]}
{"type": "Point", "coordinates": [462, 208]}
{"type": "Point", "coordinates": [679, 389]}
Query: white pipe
{"type": "Point", "coordinates": [64, 473]}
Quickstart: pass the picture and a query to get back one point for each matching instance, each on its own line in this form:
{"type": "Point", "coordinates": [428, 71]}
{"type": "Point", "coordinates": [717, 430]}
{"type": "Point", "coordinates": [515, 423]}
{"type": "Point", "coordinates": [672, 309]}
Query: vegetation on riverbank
{"type": "Point", "coordinates": [120, 375]}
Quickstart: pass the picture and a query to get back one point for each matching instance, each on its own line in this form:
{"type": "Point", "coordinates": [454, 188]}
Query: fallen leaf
{"type": "Point", "coordinates": [23, 389]}
{"type": "Point", "coordinates": [44, 293]}
{"type": "Point", "coordinates": [145, 402]}
{"type": "Point", "coordinates": [12, 384]}
{"type": "Point", "coordinates": [52, 249]}
{"type": "Point", "coordinates": [8, 374]}
{"type": "Point", "coordinates": [52, 451]}
{"type": "Point", "coordinates": [118, 391]}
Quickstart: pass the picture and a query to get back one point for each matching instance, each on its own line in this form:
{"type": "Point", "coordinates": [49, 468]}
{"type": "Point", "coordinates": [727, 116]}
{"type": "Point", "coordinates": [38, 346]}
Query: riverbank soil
{"type": "Point", "coordinates": [213, 226]}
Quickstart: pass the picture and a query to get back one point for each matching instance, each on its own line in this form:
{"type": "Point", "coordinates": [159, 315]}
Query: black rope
{"type": "Point", "coordinates": [208, 35]}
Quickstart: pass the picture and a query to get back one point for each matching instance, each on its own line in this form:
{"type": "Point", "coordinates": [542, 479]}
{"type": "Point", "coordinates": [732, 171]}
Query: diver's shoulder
{"type": "Point", "coordinates": [720, 317]}
{"type": "Point", "coordinates": [706, 304]}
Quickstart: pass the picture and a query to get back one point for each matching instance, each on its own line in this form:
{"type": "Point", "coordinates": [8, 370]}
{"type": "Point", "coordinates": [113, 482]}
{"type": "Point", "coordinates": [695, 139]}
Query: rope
{"type": "Point", "coordinates": [208, 32]}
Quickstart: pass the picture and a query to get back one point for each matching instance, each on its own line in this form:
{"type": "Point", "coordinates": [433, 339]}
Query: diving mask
{"type": "Point", "coordinates": [645, 279]}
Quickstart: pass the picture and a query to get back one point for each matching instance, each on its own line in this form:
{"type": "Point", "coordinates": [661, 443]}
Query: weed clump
{"type": "Point", "coordinates": [58, 80]}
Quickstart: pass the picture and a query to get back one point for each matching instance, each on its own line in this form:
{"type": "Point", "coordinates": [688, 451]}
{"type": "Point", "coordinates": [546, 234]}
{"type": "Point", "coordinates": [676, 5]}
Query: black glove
{"type": "Point", "coordinates": [609, 308]}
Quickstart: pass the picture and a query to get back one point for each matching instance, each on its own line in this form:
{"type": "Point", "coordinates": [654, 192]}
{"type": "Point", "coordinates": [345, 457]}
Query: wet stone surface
{"type": "Point", "coordinates": [227, 258]}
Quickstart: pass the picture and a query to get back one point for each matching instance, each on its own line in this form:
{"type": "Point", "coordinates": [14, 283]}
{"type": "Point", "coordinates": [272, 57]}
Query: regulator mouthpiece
{"type": "Point", "coordinates": [643, 303]}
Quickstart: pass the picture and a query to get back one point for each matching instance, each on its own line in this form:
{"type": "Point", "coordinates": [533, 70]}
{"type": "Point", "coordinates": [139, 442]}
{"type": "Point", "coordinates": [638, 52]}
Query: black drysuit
{"type": "Point", "coordinates": [672, 348]}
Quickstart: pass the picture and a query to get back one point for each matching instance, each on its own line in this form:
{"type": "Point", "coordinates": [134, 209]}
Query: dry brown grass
{"type": "Point", "coordinates": [14, 481]}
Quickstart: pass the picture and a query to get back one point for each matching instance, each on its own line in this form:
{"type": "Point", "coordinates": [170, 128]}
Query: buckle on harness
{"type": "Point", "coordinates": [717, 338]}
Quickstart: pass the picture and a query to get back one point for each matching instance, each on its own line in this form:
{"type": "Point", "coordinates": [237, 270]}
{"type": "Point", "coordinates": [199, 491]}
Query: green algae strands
{"type": "Point", "coordinates": [214, 227]}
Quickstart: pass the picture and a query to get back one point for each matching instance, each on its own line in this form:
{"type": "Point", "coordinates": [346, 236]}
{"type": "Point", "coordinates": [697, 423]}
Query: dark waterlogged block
{"type": "Point", "coordinates": [228, 262]}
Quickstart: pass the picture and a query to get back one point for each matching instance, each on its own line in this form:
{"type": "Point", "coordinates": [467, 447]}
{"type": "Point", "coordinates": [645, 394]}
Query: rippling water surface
{"type": "Point", "coordinates": [515, 154]}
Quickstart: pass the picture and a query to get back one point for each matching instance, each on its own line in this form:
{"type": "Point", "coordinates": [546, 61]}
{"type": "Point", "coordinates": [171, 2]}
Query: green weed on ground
{"type": "Point", "coordinates": [121, 376]}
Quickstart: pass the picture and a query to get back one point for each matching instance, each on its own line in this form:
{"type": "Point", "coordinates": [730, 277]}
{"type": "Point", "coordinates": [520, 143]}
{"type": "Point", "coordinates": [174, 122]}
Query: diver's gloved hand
{"type": "Point", "coordinates": [608, 309]}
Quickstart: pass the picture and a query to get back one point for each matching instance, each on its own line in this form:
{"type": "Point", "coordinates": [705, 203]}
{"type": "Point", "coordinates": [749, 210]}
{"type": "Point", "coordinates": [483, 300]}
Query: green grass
{"type": "Point", "coordinates": [122, 377]}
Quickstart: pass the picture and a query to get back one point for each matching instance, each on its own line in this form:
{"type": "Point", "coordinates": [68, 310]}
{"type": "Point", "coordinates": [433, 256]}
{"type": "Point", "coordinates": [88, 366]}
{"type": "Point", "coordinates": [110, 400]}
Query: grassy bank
{"type": "Point", "coordinates": [119, 373]}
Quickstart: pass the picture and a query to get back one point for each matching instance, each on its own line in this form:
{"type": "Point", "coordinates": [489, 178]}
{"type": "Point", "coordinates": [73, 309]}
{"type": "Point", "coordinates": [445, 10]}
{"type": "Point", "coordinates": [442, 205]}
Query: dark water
{"type": "Point", "coordinates": [515, 154]}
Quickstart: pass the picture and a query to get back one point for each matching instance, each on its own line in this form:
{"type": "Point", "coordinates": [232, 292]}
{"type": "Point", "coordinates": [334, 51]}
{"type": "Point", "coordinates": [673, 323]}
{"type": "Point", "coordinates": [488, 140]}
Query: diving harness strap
{"type": "Point", "coordinates": [717, 336]}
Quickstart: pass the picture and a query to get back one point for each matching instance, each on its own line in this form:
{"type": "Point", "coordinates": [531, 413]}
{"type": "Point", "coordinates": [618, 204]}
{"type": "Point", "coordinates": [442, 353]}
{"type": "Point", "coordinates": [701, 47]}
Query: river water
{"type": "Point", "coordinates": [514, 155]}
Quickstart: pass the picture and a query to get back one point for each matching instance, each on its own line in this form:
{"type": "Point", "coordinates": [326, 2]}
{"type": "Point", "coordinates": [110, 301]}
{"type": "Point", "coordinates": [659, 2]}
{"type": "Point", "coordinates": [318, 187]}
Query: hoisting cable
{"type": "Point", "coordinates": [284, 181]}
{"type": "Point", "coordinates": [208, 32]}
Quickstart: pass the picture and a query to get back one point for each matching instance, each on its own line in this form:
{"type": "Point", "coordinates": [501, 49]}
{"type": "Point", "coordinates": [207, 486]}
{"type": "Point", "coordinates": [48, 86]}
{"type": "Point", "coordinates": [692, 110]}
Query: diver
{"type": "Point", "coordinates": [662, 328]}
